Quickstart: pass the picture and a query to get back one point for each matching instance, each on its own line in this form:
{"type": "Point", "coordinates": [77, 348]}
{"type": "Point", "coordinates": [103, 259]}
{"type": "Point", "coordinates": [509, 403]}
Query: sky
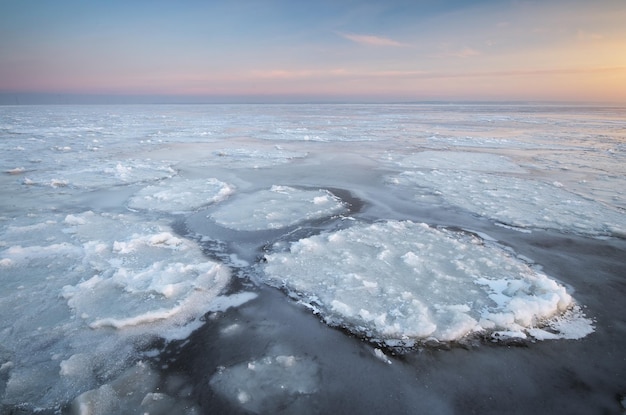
{"type": "Point", "coordinates": [327, 50]}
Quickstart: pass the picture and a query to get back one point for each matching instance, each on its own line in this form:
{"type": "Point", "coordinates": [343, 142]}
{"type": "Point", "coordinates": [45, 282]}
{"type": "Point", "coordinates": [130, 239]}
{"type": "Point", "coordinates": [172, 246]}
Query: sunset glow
{"type": "Point", "coordinates": [355, 50]}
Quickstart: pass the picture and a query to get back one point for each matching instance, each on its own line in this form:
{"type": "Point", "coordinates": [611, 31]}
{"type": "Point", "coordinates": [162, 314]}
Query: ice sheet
{"type": "Point", "coordinates": [402, 282]}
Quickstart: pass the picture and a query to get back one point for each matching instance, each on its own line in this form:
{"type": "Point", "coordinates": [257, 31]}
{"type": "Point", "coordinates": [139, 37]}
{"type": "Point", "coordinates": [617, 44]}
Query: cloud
{"type": "Point", "coordinates": [524, 72]}
{"type": "Point", "coordinates": [337, 73]}
{"type": "Point", "coordinates": [371, 40]}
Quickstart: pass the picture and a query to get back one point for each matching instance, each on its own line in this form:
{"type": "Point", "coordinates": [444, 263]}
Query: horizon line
{"type": "Point", "coordinates": [54, 98]}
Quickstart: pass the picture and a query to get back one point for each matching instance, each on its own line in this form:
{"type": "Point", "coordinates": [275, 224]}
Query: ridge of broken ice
{"type": "Point", "coordinates": [277, 207]}
{"type": "Point", "coordinates": [402, 282]}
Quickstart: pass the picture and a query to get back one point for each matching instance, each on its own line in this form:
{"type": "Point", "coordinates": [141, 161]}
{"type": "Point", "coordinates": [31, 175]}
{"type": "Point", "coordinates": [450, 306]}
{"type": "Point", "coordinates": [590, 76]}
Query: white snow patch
{"type": "Point", "coordinates": [395, 281]}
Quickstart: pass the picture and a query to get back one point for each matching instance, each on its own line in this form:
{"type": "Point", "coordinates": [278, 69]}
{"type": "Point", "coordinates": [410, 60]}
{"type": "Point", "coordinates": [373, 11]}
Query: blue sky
{"type": "Point", "coordinates": [348, 50]}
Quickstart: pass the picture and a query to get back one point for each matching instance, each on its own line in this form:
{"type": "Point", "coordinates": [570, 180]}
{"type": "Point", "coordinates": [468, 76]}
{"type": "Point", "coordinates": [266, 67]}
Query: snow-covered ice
{"type": "Point", "coordinates": [400, 282]}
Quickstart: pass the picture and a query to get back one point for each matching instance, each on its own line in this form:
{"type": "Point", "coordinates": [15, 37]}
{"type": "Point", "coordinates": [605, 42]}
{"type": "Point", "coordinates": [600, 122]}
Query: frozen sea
{"type": "Point", "coordinates": [311, 259]}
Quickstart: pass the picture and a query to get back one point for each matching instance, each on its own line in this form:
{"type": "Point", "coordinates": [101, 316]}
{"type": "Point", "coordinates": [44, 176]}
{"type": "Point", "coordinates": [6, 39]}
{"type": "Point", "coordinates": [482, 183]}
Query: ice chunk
{"type": "Point", "coordinates": [270, 384]}
{"type": "Point", "coordinates": [278, 207]}
{"type": "Point", "coordinates": [134, 391]}
{"type": "Point", "coordinates": [395, 281]}
{"type": "Point", "coordinates": [381, 355]}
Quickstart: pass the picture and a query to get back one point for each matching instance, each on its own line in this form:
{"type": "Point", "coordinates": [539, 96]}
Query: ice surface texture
{"type": "Point", "coordinates": [402, 281]}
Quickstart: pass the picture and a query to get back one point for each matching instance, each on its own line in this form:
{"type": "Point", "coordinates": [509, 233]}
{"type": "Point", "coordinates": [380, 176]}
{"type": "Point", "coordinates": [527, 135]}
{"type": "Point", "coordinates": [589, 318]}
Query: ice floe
{"type": "Point", "coordinates": [518, 202]}
{"type": "Point", "coordinates": [402, 282]}
{"type": "Point", "coordinates": [277, 207]}
{"type": "Point", "coordinates": [109, 173]}
{"type": "Point", "coordinates": [181, 195]}
{"type": "Point", "coordinates": [114, 283]}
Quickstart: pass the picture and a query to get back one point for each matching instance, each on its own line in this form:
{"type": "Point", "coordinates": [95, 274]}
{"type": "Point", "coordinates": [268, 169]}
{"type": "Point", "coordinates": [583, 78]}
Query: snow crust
{"type": "Point", "coordinates": [518, 202]}
{"type": "Point", "coordinates": [400, 282]}
{"type": "Point", "coordinates": [277, 207]}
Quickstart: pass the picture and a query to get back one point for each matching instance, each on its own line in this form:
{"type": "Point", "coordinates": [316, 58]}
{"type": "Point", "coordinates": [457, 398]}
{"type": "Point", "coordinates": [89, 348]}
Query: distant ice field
{"type": "Point", "coordinates": [127, 229]}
